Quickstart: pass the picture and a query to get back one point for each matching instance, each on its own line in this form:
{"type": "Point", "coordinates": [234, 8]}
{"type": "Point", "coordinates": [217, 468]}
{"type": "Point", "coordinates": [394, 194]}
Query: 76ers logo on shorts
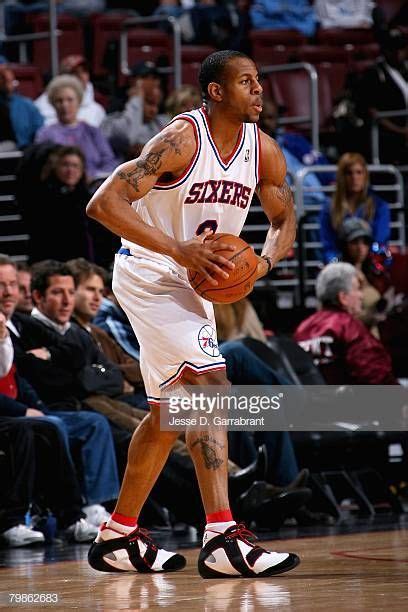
{"type": "Point", "coordinates": [207, 339]}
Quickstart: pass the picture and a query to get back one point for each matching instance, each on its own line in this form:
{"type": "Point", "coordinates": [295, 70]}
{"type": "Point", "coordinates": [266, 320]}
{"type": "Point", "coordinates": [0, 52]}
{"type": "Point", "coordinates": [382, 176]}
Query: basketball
{"type": "Point", "coordinates": [241, 279]}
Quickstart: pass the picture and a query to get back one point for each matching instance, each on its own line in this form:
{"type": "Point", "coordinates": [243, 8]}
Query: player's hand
{"type": "Point", "coordinates": [263, 267]}
{"type": "Point", "coordinates": [198, 254]}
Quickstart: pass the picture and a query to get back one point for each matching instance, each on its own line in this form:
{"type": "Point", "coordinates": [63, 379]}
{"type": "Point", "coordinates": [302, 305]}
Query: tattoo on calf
{"type": "Point", "coordinates": [144, 166]}
{"type": "Point", "coordinates": [209, 452]}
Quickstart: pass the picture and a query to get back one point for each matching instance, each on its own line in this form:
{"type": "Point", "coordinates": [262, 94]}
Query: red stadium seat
{"type": "Point", "coordinates": [30, 81]}
{"type": "Point", "coordinates": [191, 58]}
{"type": "Point", "coordinates": [264, 43]}
{"type": "Point", "coordinates": [70, 41]}
{"type": "Point", "coordinates": [344, 36]}
{"type": "Point", "coordinates": [105, 29]}
{"type": "Point", "coordinates": [292, 91]}
{"type": "Point", "coordinates": [315, 54]}
{"type": "Point", "coordinates": [149, 44]}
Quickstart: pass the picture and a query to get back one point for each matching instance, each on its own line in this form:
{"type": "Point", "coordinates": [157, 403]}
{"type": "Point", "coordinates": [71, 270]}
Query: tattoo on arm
{"type": "Point", "coordinates": [144, 166]}
{"type": "Point", "coordinates": [284, 194]}
{"type": "Point", "coordinates": [209, 452]}
{"type": "Point", "coordinates": [173, 143]}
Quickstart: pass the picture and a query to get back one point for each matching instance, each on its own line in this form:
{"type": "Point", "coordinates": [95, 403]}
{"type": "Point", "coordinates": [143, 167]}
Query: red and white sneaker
{"type": "Point", "coordinates": [233, 554]}
{"type": "Point", "coordinates": [114, 552]}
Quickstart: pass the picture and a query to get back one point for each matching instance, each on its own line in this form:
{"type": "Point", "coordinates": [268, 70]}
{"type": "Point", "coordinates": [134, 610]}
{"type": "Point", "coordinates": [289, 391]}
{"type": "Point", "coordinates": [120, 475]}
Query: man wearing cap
{"type": "Point", "coordinates": [377, 294]}
{"type": "Point", "coordinates": [90, 111]}
{"type": "Point", "coordinates": [138, 120]}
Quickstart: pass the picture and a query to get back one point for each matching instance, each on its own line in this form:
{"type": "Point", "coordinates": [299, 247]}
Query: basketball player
{"type": "Point", "coordinates": [194, 178]}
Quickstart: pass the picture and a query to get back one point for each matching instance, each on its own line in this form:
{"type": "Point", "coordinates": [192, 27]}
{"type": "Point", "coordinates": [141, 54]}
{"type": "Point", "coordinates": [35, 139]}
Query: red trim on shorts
{"type": "Point", "coordinates": [187, 367]}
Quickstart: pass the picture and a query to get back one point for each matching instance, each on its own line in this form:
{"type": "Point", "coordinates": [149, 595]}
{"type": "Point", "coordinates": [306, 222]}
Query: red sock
{"type": "Point", "coordinates": [123, 524]}
{"type": "Point", "coordinates": [222, 516]}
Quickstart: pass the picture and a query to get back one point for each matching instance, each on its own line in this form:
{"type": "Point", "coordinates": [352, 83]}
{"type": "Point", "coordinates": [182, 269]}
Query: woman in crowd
{"type": "Point", "coordinates": [58, 200]}
{"type": "Point", "coordinates": [65, 93]}
{"type": "Point", "coordinates": [352, 198]}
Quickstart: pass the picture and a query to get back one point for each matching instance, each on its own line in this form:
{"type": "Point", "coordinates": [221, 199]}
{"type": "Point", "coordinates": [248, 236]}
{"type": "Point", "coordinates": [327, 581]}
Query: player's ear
{"type": "Point", "coordinates": [215, 91]}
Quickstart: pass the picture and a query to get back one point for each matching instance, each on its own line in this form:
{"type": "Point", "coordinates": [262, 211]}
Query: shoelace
{"type": "Point", "coordinates": [144, 536]}
{"type": "Point", "coordinates": [243, 533]}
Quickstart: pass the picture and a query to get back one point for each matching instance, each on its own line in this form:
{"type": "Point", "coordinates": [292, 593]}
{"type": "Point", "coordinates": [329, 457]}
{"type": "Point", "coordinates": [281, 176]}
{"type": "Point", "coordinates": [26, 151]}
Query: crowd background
{"type": "Point", "coordinates": [60, 321]}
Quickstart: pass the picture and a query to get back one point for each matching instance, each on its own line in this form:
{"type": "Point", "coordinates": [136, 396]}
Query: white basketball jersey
{"type": "Point", "coordinates": [212, 192]}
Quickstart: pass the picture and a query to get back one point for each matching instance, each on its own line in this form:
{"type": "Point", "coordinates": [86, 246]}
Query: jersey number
{"type": "Point", "coordinates": [211, 224]}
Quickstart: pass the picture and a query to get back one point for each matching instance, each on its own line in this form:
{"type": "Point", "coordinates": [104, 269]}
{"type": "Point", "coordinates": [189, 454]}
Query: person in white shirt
{"type": "Point", "coordinates": [90, 111]}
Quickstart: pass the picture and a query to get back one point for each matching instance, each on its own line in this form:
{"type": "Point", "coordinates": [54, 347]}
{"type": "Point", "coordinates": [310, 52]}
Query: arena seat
{"type": "Point", "coordinates": [344, 36]}
{"type": "Point", "coordinates": [105, 29]}
{"type": "Point", "coordinates": [325, 53]}
{"type": "Point", "coordinates": [30, 81]}
{"type": "Point", "coordinates": [70, 41]}
{"type": "Point", "coordinates": [191, 58]}
{"type": "Point", "coordinates": [264, 45]}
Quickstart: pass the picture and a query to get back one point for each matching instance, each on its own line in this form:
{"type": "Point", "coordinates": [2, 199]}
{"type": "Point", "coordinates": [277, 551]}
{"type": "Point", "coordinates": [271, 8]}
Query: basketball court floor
{"type": "Point", "coordinates": [362, 565]}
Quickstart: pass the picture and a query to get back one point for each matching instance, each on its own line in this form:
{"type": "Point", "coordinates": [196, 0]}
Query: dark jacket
{"type": "Point", "coordinates": [54, 379]}
{"type": "Point", "coordinates": [344, 350]}
{"type": "Point", "coordinates": [26, 398]}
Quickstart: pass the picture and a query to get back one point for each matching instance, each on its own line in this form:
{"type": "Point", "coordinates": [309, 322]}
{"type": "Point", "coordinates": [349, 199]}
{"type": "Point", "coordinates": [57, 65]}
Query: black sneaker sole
{"type": "Point", "coordinates": [96, 561]}
{"type": "Point", "coordinates": [288, 564]}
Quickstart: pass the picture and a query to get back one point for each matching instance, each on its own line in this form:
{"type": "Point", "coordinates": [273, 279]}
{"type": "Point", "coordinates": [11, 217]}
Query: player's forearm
{"type": "Point", "coordinates": [119, 217]}
{"type": "Point", "coordinates": [280, 239]}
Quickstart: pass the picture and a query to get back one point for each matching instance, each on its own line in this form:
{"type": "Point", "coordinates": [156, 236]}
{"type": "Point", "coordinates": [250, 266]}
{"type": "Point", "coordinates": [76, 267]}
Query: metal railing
{"type": "Point", "coordinates": [52, 34]}
{"type": "Point", "coordinates": [308, 232]}
{"type": "Point", "coordinates": [135, 21]}
{"type": "Point", "coordinates": [12, 229]}
{"type": "Point", "coordinates": [313, 118]}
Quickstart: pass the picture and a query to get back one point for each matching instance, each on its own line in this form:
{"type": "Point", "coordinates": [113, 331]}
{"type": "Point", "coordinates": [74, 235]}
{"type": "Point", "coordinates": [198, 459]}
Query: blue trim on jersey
{"type": "Point", "coordinates": [185, 177]}
{"type": "Point", "coordinates": [188, 363]}
{"type": "Point", "coordinates": [214, 148]}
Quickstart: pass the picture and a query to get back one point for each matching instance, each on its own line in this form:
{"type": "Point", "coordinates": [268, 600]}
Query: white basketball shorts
{"type": "Point", "coordinates": [174, 326]}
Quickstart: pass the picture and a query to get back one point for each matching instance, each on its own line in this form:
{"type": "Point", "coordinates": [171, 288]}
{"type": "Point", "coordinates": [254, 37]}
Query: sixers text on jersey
{"type": "Point", "coordinates": [226, 192]}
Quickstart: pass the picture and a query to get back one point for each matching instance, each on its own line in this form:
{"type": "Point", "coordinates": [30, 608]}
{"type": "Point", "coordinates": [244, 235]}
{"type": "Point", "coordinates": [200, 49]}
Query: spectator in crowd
{"type": "Point", "coordinates": [25, 301]}
{"type": "Point", "coordinates": [40, 474]}
{"type": "Point", "coordinates": [19, 118]}
{"type": "Point", "coordinates": [65, 93]}
{"type": "Point", "coordinates": [59, 196]}
{"type": "Point", "coordinates": [345, 14]}
{"type": "Point", "coordinates": [183, 99]}
{"type": "Point", "coordinates": [90, 286]}
{"type": "Point", "coordinates": [342, 347]}
{"type": "Point", "coordinates": [378, 294]}
{"type": "Point", "coordinates": [89, 111]}
{"type": "Point", "coordinates": [352, 198]}
{"type": "Point", "coordinates": [384, 88]}
{"type": "Point", "coordinates": [139, 119]}
{"type": "Point", "coordinates": [282, 15]}
{"type": "Point", "coordinates": [238, 320]}
{"type": "Point", "coordinates": [52, 365]}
